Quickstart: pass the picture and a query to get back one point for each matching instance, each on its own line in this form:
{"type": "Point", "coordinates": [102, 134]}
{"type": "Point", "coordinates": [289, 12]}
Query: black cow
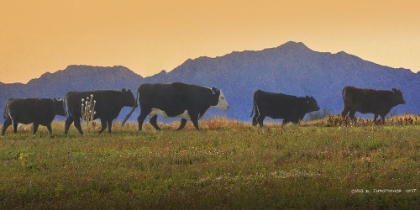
{"type": "Point", "coordinates": [378, 102]}
{"type": "Point", "coordinates": [279, 105]}
{"type": "Point", "coordinates": [108, 106]}
{"type": "Point", "coordinates": [39, 111]}
{"type": "Point", "coordinates": [177, 100]}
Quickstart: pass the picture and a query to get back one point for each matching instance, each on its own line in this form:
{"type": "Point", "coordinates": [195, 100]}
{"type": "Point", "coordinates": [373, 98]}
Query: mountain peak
{"type": "Point", "coordinates": [86, 67]}
{"type": "Point", "coordinates": [343, 53]}
{"type": "Point", "coordinates": [291, 45]}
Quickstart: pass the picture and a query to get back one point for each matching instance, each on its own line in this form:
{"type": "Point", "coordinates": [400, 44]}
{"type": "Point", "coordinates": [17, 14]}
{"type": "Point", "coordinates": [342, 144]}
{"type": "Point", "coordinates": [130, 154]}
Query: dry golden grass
{"type": "Point", "coordinates": [217, 122]}
{"type": "Point", "coordinates": [336, 120]}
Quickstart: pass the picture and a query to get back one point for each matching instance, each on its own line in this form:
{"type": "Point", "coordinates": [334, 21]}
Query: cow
{"type": "Point", "coordinates": [39, 111]}
{"type": "Point", "coordinates": [281, 106]}
{"type": "Point", "coordinates": [107, 107]}
{"type": "Point", "coordinates": [378, 102]}
{"type": "Point", "coordinates": [185, 101]}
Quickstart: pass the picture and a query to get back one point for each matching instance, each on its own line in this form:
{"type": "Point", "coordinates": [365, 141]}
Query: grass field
{"type": "Point", "coordinates": [226, 165]}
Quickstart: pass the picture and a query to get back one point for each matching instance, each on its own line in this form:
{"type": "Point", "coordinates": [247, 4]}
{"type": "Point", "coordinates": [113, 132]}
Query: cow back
{"type": "Point", "coordinates": [29, 110]}
{"type": "Point", "coordinates": [279, 105]}
{"type": "Point", "coordinates": [370, 100]}
{"type": "Point", "coordinates": [107, 102]}
{"type": "Point", "coordinates": [175, 98]}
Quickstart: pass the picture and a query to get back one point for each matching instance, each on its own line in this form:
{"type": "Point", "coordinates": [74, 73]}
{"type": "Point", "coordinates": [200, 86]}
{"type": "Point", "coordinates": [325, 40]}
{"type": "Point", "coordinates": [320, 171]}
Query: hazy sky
{"type": "Point", "coordinates": [38, 36]}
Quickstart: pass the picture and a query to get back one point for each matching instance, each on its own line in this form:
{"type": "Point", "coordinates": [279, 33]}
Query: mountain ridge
{"type": "Point", "coordinates": [291, 68]}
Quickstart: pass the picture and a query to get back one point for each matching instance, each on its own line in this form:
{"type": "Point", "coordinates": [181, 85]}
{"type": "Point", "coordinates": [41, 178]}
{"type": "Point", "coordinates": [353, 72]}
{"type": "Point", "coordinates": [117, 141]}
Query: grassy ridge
{"type": "Point", "coordinates": [225, 165]}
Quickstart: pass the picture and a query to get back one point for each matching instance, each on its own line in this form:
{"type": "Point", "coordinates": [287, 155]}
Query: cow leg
{"type": "Point", "coordinates": [69, 121]}
{"type": "Point", "coordinates": [351, 115]}
{"type": "Point", "coordinates": [194, 119]}
{"type": "Point", "coordinates": [260, 120]}
{"type": "Point", "coordinates": [284, 123]}
{"type": "Point", "coordinates": [374, 118]}
{"type": "Point", "coordinates": [153, 121]}
{"type": "Point", "coordinates": [344, 113]}
{"type": "Point", "coordinates": [15, 126]}
{"type": "Point", "coordinates": [35, 128]}
{"type": "Point", "coordinates": [109, 126]}
{"type": "Point", "coordinates": [383, 119]}
{"type": "Point", "coordinates": [183, 123]}
{"type": "Point", "coordinates": [254, 121]}
{"type": "Point", "coordinates": [295, 120]}
{"type": "Point", "coordinates": [49, 129]}
{"type": "Point", "coordinates": [195, 122]}
{"type": "Point", "coordinates": [256, 117]}
{"type": "Point", "coordinates": [77, 125]}
{"type": "Point", "coordinates": [103, 125]}
{"type": "Point", "coordinates": [6, 124]}
{"type": "Point", "coordinates": [140, 119]}
{"type": "Point", "coordinates": [299, 120]}
{"type": "Point", "coordinates": [343, 117]}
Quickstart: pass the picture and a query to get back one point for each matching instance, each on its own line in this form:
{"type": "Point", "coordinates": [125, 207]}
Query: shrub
{"type": "Point", "coordinates": [319, 114]}
{"type": "Point", "coordinates": [88, 111]}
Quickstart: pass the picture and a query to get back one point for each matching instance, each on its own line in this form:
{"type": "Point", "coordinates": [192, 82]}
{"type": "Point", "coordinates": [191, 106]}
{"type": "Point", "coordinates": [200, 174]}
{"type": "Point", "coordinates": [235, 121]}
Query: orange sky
{"type": "Point", "coordinates": [149, 36]}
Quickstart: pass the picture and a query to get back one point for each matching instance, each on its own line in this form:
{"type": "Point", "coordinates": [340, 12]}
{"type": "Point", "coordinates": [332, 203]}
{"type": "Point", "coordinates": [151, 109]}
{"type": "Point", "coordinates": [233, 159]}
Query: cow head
{"type": "Point", "coordinates": [221, 102]}
{"type": "Point", "coordinates": [59, 107]}
{"type": "Point", "coordinates": [311, 104]}
{"type": "Point", "coordinates": [397, 97]}
{"type": "Point", "coordinates": [128, 98]}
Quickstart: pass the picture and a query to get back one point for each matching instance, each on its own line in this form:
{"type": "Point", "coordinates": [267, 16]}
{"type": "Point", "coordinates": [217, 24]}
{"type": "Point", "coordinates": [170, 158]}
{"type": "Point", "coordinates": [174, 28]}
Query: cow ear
{"type": "Point", "coordinates": [213, 90]}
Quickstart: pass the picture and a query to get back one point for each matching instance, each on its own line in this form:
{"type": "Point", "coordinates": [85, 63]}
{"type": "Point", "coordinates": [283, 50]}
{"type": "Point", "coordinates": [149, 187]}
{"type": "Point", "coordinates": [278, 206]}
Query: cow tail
{"type": "Point", "coordinates": [254, 106]}
{"type": "Point", "coordinates": [132, 110]}
{"type": "Point", "coordinates": [5, 110]}
{"type": "Point", "coordinates": [343, 93]}
{"type": "Point", "coordinates": [65, 106]}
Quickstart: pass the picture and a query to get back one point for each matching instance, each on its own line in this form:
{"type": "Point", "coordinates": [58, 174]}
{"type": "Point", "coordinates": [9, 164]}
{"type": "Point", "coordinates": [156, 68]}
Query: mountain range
{"type": "Point", "coordinates": [291, 68]}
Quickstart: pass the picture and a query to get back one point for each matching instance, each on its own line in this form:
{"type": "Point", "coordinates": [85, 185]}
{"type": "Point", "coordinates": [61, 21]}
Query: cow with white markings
{"type": "Point", "coordinates": [179, 100]}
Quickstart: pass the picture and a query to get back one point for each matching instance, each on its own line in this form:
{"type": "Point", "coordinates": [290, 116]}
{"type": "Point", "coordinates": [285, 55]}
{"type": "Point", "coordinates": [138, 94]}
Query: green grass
{"type": "Point", "coordinates": [226, 165]}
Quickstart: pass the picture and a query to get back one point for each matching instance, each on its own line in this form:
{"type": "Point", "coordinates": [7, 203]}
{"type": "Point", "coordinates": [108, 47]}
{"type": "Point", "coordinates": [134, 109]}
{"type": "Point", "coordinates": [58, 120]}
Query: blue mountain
{"type": "Point", "coordinates": [291, 68]}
